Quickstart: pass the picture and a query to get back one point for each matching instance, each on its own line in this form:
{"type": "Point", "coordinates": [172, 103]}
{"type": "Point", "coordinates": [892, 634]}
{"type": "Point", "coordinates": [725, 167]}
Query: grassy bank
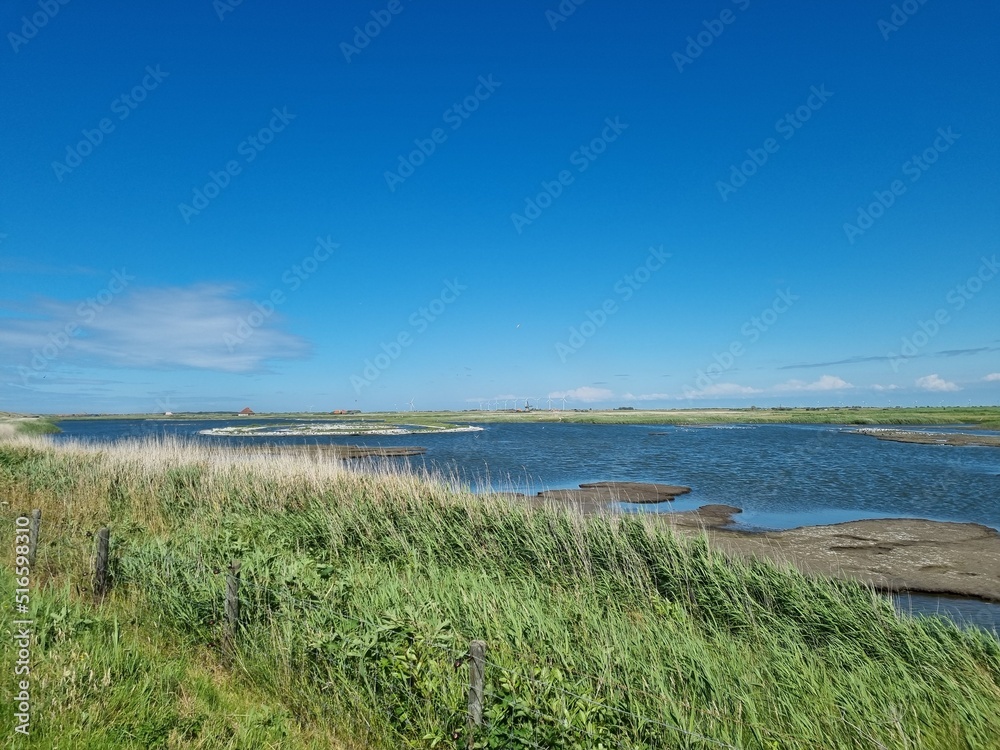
{"type": "Point", "coordinates": [361, 592]}
{"type": "Point", "coordinates": [18, 425]}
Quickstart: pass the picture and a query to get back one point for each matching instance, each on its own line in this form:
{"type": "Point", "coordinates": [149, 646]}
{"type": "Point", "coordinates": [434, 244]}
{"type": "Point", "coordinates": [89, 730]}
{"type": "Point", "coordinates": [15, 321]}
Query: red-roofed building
{"type": "Point", "coordinates": [246, 412]}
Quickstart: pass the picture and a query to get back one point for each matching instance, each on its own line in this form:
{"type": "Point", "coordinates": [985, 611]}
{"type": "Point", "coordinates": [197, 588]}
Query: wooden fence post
{"type": "Point", "coordinates": [232, 612]}
{"type": "Point", "coordinates": [477, 668]}
{"type": "Point", "coordinates": [101, 563]}
{"type": "Point", "coordinates": [36, 519]}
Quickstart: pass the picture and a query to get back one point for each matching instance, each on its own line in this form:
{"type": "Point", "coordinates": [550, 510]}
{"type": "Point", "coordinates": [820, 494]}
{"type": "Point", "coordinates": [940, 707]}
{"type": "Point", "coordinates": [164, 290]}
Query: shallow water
{"type": "Point", "coordinates": [966, 612]}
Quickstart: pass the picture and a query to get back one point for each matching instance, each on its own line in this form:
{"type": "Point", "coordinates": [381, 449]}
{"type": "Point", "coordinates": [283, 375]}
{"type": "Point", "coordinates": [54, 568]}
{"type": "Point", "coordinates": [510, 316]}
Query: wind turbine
{"type": "Point", "coordinates": [550, 404]}
{"type": "Point", "coordinates": [410, 402]}
{"type": "Point", "coordinates": [480, 404]}
{"type": "Point", "coordinates": [564, 403]}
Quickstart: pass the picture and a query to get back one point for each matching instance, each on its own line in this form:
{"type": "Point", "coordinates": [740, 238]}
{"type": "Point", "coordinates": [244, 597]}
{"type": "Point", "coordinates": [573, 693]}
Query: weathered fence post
{"type": "Point", "coordinates": [36, 519]}
{"type": "Point", "coordinates": [232, 612]}
{"type": "Point", "coordinates": [477, 668]}
{"type": "Point", "coordinates": [101, 563]}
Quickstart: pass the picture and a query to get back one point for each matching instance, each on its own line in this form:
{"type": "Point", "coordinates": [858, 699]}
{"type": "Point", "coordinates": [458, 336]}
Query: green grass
{"type": "Point", "coordinates": [360, 592]}
{"type": "Point", "coordinates": [111, 678]}
{"type": "Point", "coordinates": [30, 426]}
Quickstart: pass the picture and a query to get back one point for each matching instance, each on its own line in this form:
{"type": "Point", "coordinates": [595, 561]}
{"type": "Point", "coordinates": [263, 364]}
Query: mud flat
{"type": "Point", "coordinates": [892, 554]}
{"type": "Point", "coordinates": [929, 438]}
{"type": "Point", "coordinates": [598, 496]}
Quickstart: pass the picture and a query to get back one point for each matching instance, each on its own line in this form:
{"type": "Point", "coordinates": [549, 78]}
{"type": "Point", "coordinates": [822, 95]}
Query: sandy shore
{"type": "Point", "coordinates": [892, 554]}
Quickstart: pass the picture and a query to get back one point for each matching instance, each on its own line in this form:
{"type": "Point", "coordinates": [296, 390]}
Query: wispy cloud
{"type": "Point", "coordinates": [935, 383]}
{"type": "Point", "coordinates": [585, 393]}
{"type": "Point", "coordinates": [891, 387]}
{"type": "Point", "coordinates": [992, 377]}
{"type": "Point", "coordinates": [150, 328]}
{"type": "Point", "coordinates": [857, 360]}
{"type": "Point", "coordinates": [968, 352]}
{"type": "Point", "coordinates": [848, 361]}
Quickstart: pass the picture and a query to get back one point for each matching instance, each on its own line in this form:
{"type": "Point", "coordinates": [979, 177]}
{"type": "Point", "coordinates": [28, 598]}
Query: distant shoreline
{"type": "Point", "coordinates": [982, 417]}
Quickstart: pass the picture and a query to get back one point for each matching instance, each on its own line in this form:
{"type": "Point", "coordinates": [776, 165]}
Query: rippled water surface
{"type": "Point", "coordinates": [780, 475]}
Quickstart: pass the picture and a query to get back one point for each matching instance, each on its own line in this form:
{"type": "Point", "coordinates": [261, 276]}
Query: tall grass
{"type": "Point", "coordinates": [362, 589]}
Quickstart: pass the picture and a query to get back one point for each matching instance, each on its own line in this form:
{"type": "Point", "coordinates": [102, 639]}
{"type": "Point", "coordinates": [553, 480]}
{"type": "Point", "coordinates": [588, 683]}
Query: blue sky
{"type": "Point", "coordinates": [208, 206]}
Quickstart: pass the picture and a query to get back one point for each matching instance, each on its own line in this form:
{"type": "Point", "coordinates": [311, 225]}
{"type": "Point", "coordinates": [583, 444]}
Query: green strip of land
{"type": "Point", "coordinates": [983, 417]}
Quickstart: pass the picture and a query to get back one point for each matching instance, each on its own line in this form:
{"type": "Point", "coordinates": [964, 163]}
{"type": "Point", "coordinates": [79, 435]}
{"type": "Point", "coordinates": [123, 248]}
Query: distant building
{"type": "Point", "coordinates": [168, 414]}
{"type": "Point", "coordinates": [246, 412]}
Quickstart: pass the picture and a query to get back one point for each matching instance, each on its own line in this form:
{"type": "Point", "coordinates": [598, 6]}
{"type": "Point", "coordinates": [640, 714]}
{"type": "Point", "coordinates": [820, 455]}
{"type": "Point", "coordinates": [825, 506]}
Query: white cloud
{"type": "Point", "coordinates": [992, 377]}
{"type": "Point", "coordinates": [825, 383]}
{"type": "Point", "coordinates": [151, 328]}
{"type": "Point", "coordinates": [892, 387]}
{"type": "Point", "coordinates": [720, 389]}
{"type": "Point", "coordinates": [647, 397]}
{"type": "Point", "coordinates": [585, 393]}
{"type": "Point", "coordinates": [935, 383]}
